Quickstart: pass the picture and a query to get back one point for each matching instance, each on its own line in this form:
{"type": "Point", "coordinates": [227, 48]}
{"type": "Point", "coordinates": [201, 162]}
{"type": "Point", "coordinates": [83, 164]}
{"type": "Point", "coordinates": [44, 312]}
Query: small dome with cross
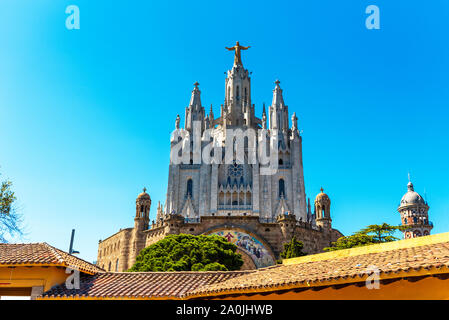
{"type": "Point", "coordinates": [144, 195]}
{"type": "Point", "coordinates": [322, 198]}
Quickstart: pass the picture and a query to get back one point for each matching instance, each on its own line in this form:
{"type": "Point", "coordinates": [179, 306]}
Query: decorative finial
{"type": "Point", "coordinates": [144, 189]}
{"type": "Point", "coordinates": [196, 84]}
{"type": "Point", "coordinates": [277, 82]}
{"type": "Point", "coordinates": [294, 121]}
{"type": "Point", "coordinates": [322, 190]}
{"type": "Point", "coordinates": [410, 184]}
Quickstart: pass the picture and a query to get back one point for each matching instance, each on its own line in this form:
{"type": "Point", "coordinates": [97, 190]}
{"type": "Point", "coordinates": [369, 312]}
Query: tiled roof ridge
{"type": "Point", "coordinates": [42, 253]}
{"type": "Point", "coordinates": [53, 250]}
{"type": "Point", "coordinates": [58, 253]}
{"type": "Point", "coordinates": [18, 246]}
{"type": "Point", "coordinates": [15, 247]}
{"type": "Point", "coordinates": [21, 243]}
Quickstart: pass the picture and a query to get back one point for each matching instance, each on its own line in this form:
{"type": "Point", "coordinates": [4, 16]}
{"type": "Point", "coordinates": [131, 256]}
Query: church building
{"type": "Point", "coordinates": [256, 201]}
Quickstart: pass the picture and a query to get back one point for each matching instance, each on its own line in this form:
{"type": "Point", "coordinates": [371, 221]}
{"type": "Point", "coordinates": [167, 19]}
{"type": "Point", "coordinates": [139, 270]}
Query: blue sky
{"type": "Point", "coordinates": [86, 114]}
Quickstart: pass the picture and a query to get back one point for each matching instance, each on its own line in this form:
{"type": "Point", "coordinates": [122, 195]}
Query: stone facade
{"type": "Point", "coordinates": [122, 246]}
{"type": "Point", "coordinates": [218, 190]}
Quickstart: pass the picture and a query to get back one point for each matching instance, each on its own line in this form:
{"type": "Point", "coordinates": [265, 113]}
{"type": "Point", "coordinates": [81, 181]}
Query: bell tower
{"type": "Point", "coordinates": [323, 210]}
{"type": "Point", "coordinates": [143, 204]}
{"type": "Point", "coordinates": [414, 214]}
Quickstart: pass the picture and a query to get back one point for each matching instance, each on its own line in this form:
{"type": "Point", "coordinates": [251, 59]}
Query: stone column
{"type": "Point", "coordinates": [299, 196]}
{"type": "Point", "coordinates": [214, 188]}
{"type": "Point", "coordinates": [203, 196]}
{"type": "Point", "coordinates": [255, 191]}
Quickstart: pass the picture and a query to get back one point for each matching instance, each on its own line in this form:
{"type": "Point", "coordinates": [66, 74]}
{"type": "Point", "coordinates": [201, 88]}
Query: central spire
{"type": "Point", "coordinates": [238, 110]}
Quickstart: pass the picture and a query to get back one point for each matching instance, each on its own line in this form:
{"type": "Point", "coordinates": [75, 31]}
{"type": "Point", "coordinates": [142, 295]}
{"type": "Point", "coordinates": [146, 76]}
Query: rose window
{"type": "Point", "coordinates": [235, 170]}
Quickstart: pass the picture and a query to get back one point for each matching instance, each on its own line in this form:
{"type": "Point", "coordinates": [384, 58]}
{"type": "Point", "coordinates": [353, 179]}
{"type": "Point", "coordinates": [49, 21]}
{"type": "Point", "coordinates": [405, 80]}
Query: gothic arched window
{"type": "Point", "coordinates": [281, 188]}
{"type": "Point", "coordinates": [116, 265]}
{"type": "Point", "coordinates": [189, 188]}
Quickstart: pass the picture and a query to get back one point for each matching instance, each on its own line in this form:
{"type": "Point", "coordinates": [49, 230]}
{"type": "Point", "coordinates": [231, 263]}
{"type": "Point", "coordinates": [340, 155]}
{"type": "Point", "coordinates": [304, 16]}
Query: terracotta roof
{"type": "Point", "coordinates": [346, 266]}
{"type": "Point", "coordinates": [141, 284]}
{"type": "Point", "coordinates": [424, 256]}
{"type": "Point", "coordinates": [42, 254]}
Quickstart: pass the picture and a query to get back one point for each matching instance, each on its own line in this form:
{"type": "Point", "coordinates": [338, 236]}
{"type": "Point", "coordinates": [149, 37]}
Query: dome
{"type": "Point", "coordinates": [144, 195]}
{"type": "Point", "coordinates": [411, 197]}
{"type": "Point", "coordinates": [322, 197]}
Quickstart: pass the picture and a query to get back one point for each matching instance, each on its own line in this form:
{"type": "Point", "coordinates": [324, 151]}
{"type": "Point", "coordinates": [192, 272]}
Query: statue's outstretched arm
{"type": "Point", "coordinates": [230, 48]}
{"type": "Point", "coordinates": [245, 48]}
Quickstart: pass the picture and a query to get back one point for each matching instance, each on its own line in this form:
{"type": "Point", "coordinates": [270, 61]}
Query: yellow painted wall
{"type": "Point", "coordinates": [34, 276]}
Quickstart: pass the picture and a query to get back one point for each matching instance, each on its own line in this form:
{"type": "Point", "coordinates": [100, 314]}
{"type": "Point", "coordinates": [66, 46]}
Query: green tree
{"type": "Point", "coordinates": [292, 249]}
{"type": "Point", "coordinates": [382, 232]}
{"type": "Point", "coordinates": [10, 220]}
{"type": "Point", "coordinates": [184, 252]}
{"type": "Point", "coordinates": [375, 233]}
{"type": "Point", "coordinates": [355, 240]}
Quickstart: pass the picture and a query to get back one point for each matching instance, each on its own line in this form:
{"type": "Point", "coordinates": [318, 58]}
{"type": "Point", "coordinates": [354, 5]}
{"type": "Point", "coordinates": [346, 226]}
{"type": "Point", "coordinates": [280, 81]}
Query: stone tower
{"type": "Point", "coordinates": [323, 210]}
{"type": "Point", "coordinates": [141, 223]}
{"type": "Point", "coordinates": [414, 214]}
{"type": "Point", "coordinates": [143, 204]}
